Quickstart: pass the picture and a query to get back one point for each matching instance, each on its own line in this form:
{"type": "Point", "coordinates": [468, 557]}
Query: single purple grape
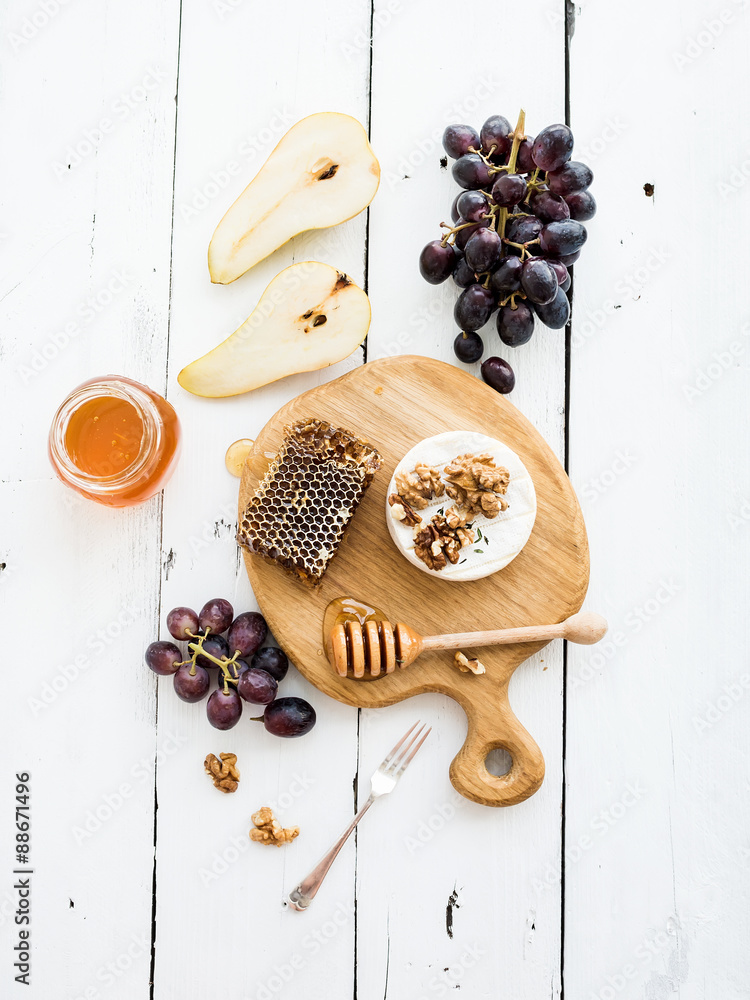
{"type": "Point", "coordinates": [471, 172]}
{"type": "Point", "coordinates": [509, 190]}
{"type": "Point", "coordinates": [483, 250]}
{"type": "Point", "coordinates": [539, 280]}
{"type": "Point", "coordinates": [289, 717]}
{"type": "Point", "coordinates": [458, 139]}
{"type": "Point", "coordinates": [272, 660]}
{"type": "Point", "coordinates": [472, 206]}
{"type": "Point", "coordinates": [582, 205]}
{"type": "Point", "coordinates": [554, 314]}
{"type": "Point", "coordinates": [468, 347]}
{"type": "Point", "coordinates": [496, 132]}
{"type": "Point", "coordinates": [216, 615]}
{"type": "Point", "coordinates": [223, 711]}
{"type": "Point", "coordinates": [473, 308]}
{"type": "Point", "coordinates": [163, 658]}
{"type": "Point", "coordinates": [571, 177]}
{"type": "Point", "coordinates": [181, 621]}
{"type": "Point", "coordinates": [507, 277]}
{"type": "Point", "coordinates": [191, 687]}
{"type": "Point", "coordinates": [524, 229]}
{"type": "Point", "coordinates": [558, 239]}
{"type": "Point", "coordinates": [498, 374]}
{"type": "Point", "coordinates": [515, 326]}
{"type": "Point", "coordinates": [257, 686]}
{"type": "Point", "coordinates": [549, 207]}
{"type": "Point", "coordinates": [552, 147]}
{"type": "Point", "coordinates": [247, 633]}
{"type": "Point", "coordinates": [436, 262]}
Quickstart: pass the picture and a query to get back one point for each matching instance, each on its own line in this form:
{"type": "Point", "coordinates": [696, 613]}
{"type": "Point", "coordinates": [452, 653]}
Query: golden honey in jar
{"type": "Point", "coordinates": [114, 441]}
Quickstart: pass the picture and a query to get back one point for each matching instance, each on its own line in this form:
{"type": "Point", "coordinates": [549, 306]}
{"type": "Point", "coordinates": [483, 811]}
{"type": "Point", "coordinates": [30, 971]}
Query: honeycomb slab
{"type": "Point", "coordinates": [304, 504]}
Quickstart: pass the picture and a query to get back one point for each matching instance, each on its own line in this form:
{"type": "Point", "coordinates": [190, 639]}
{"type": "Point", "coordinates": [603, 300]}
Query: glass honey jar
{"type": "Point", "coordinates": [115, 441]}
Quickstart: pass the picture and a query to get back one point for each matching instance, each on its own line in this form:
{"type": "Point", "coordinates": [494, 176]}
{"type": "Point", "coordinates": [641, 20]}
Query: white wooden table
{"type": "Point", "coordinates": [127, 129]}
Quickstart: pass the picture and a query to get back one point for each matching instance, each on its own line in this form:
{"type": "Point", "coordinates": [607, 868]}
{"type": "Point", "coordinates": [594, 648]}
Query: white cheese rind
{"type": "Point", "coordinates": [502, 537]}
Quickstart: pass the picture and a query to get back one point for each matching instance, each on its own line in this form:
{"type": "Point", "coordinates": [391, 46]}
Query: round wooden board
{"type": "Point", "coordinates": [394, 403]}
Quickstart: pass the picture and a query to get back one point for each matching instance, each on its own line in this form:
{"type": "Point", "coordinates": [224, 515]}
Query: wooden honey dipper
{"type": "Point", "coordinates": [376, 648]}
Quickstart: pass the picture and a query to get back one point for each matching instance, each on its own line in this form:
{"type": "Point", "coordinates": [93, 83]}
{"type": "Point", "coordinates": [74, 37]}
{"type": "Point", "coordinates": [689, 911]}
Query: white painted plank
{"type": "Point", "coordinates": [656, 877]}
{"type": "Point", "coordinates": [656, 898]}
{"type": "Point", "coordinates": [416, 848]}
{"type": "Point", "coordinates": [88, 123]}
{"type": "Point", "coordinates": [243, 81]}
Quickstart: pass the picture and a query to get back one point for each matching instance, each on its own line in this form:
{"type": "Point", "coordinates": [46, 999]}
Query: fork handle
{"type": "Point", "coordinates": [301, 897]}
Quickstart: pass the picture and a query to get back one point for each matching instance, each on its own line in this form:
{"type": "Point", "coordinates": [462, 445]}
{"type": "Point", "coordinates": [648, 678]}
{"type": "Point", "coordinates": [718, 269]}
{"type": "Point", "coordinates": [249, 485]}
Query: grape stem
{"type": "Point", "coordinates": [518, 137]}
{"type": "Point", "coordinates": [452, 230]}
{"type": "Point", "coordinates": [512, 299]}
{"type": "Point", "coordinates": [485, 157]}
{"type": "Point", "coordinates": [523, 247]}
{"type": "Point", "coordinates": [196, 650]}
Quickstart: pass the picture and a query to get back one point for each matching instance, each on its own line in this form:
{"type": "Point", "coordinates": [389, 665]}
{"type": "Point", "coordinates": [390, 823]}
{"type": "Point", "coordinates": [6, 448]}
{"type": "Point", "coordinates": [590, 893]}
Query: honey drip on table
{"type": "Point", "coordinates": [348, 609]}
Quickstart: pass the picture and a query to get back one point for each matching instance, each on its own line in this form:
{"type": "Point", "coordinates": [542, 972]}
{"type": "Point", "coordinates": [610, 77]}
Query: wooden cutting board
{"type": "Point", "coordinates": [394, 403]}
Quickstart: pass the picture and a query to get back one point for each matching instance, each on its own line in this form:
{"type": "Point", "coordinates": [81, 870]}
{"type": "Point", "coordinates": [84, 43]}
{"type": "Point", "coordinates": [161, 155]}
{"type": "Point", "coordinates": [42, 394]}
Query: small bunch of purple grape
{"type": "Point", "coordinates": [247, 672]}
{"type": "Point", "coordinates": [516, 230]}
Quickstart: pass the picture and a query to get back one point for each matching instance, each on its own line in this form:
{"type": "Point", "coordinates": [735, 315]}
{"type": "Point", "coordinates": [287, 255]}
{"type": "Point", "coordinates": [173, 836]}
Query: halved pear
{"type": "Point", "coordinates": [322, 172]}
{"type": "Point", "coordinates": [310, 316]}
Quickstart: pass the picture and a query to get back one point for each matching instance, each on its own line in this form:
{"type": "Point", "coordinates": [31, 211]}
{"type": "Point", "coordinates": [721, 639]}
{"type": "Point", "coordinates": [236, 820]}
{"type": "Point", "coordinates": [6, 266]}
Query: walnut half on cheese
{"type": "Point", "coordinates": [487, 492]}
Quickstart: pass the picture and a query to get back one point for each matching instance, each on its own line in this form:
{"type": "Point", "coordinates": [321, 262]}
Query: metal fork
{"type": "Point", "coordinates": [384, 781]}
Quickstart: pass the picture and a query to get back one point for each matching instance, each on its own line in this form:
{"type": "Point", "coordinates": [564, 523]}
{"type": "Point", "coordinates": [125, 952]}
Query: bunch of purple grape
{"type": "Point", "coordinates": [517, 227]}
{"type": "Point", "coordinates": [247, 670]}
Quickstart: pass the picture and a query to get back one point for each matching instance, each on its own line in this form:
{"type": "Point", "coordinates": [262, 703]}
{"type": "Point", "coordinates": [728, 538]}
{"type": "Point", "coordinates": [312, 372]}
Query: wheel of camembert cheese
{"type": "Point", "coordinates": [475, 501]}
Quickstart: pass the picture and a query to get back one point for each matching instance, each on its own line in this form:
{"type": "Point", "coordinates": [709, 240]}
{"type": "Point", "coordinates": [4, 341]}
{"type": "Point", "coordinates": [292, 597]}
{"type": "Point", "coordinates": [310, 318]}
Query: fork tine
{"type": "Point", "coordinates": [390, 754]}
{"type": "Point", "coordinates": [405, 763]}
{"type": "Point", "coordinates": [395, 764]}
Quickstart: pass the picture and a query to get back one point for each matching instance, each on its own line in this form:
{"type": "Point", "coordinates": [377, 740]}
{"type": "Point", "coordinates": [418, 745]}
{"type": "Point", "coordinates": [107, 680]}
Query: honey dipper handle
{"type": "Point", "coordinates": [584, 627]}
{"type": "Point", "coordinates": [496, 637]}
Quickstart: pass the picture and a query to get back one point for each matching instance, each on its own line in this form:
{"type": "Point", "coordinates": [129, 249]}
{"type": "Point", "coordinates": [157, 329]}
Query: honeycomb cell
{"type": "Point", "coordinates": [307, 498]}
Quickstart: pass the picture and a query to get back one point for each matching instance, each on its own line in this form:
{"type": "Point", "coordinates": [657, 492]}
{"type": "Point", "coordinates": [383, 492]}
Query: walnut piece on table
{"type": "Point", "coordinates": [420, 486]}
{"type": "Point", "coordinates": [466, 665]}
{"type": "Point", "coordinates": [403, 511]}
{"type": "Point", "coordinates": [268, 830]}
{"type": "Point", "coordinates": [477, 484]}
{"type": "Point", "coordinates": [441, 541]}
{"type": "Point", "coordinates": [224, 772]}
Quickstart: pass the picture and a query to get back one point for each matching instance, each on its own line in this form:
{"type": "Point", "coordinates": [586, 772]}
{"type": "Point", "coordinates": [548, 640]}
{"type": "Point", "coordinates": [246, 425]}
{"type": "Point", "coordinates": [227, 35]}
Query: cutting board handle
{"type": "Point", "coordinates": [493, 725]}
